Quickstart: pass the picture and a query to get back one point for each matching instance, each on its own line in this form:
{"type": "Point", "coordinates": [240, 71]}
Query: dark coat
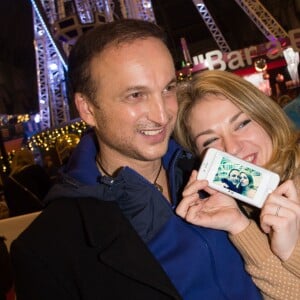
{"type": "Point", "coordinates": [94, 240]}
{"type": "Point", "coordinates": [6, 273]}
{"type": "Point", "coordinates": [24, 193]}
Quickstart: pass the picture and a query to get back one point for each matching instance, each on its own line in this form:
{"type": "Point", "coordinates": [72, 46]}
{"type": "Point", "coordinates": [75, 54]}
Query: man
{"type": "Point", "coordinates": [109, 230]}
{"type": "Point", "coordinates": [232, 181]}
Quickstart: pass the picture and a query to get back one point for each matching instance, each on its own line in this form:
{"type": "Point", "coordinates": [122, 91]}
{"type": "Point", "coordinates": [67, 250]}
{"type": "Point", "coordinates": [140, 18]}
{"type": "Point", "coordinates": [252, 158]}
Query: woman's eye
{"type": "Point", "coordinates": [209, 142]}
{"type": "Point", "coordinates": [243, 124]}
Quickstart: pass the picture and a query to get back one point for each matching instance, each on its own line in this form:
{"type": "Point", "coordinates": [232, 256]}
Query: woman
{"type": "Point", "coordinates": [221, 110]}
{"type": "Point", "coordinates": [246, 184]}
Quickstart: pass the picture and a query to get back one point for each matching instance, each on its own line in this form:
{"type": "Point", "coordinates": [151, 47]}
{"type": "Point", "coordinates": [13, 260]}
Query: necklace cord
{"type": "Point", "coordinates": [101, 167]}
{"type": "Point", "coordinates": [157, 185]}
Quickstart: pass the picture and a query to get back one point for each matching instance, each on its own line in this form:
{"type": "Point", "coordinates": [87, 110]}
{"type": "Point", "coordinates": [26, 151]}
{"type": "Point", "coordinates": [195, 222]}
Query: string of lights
{"type": "Point", "coordinates": [47, 140]}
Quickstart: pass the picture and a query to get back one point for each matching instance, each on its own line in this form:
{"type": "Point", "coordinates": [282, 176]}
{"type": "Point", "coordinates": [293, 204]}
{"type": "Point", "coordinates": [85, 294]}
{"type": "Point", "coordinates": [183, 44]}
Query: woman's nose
{"type": "Point", "coordinates": [232, 145]}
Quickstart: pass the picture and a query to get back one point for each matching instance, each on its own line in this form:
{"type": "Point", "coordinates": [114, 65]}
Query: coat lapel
{"type": "Point", "coordinates": [119, 245]}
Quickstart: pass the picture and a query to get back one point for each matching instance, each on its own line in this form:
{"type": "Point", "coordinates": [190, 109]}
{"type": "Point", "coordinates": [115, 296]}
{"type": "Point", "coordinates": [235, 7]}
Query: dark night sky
{"type": "Point", "coordinates": [17, 59]}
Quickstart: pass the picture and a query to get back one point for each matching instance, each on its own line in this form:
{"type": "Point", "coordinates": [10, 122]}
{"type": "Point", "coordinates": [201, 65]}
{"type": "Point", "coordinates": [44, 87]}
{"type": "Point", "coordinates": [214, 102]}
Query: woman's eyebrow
{"type": "Point", "coordinates": [232, 119]}
{"type": "Point", "coordinates": [208, 131]}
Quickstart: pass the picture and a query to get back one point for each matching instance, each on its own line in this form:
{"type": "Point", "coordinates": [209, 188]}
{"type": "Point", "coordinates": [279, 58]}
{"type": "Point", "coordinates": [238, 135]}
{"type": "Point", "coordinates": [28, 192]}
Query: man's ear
{"type": "Point", "coordinates": [85, 109]}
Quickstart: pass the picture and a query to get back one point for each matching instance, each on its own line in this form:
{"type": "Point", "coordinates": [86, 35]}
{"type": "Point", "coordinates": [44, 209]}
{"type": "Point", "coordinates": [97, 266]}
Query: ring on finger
{"type": "Point", "coordinates": [277, 210]}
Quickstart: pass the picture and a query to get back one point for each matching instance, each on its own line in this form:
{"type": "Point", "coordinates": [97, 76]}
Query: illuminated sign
{"type": "Point", "coordinates": [243, 58]}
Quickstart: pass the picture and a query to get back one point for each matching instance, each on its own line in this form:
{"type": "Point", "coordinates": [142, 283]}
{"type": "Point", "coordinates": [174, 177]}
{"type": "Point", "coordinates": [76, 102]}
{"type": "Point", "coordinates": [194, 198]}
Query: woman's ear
{"type": "Point", "coordinates": [85, 109]}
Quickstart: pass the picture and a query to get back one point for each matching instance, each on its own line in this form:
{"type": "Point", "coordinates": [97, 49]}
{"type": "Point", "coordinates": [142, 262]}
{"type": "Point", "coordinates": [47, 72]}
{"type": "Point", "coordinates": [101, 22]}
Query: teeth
{"type": "Point", "coordinates": [249, 158]}
{"type": "Point", "coordinates": [152, 132]}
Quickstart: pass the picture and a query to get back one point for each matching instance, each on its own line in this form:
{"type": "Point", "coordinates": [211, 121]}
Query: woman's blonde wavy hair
{"type": "Point", "coordinates": [285, 159]}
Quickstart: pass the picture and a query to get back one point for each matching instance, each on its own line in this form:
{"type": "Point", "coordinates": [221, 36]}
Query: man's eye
{"type": "Point", "coordinates": [171, 88]}
{"type": "Point", "coordinates": [136, 95]}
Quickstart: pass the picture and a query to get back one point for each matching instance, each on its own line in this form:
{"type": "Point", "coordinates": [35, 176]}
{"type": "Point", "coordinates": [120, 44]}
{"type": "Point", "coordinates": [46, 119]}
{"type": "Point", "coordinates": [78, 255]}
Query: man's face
{"type": "Point", "coordinates": [136, 95]}
{"type": "Point", "coordinates": [234, 177]}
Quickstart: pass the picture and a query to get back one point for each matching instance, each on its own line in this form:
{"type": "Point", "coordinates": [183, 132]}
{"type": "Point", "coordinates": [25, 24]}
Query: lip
{"type": "Point", "coordinates": [155, 138]}
{"type": "Point", "coordinates": [152, 131]}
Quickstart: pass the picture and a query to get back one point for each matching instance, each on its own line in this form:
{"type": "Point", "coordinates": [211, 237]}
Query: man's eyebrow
{"type": "Point", "coordinates": [144, 87]}
{"type": "Point", "coordinates": [136, 87]}
{"type": "Point", "coordinates": [208, 131]}
{"type": "Point", "coordinates": [173, 80]}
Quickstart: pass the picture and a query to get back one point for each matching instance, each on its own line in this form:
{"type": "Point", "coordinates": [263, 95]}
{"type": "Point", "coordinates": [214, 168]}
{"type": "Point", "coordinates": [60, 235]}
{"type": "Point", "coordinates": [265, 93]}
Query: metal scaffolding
{"type": "Point", "coordinates": [258, 14]}
{"type": "Point", "coordinates": [212, 26]}
{"type": "Point", "coordinates": [262, 18]}
{"type": "Point", "coordinates": [57, 25]}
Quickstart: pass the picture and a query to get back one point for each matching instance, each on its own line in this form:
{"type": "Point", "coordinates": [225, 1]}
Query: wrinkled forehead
{"type": "Point", "coordinates": [135, 62]}
{"type": "Point", "coordinates": [134, 45]}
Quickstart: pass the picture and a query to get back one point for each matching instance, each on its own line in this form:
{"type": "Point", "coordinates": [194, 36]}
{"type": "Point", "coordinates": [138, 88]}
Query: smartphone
{"type": "Point", "coordinates": [237, 178]}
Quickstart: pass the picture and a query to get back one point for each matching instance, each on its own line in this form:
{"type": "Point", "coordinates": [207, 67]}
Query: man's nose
{"type": "Point", "coordinates": [158, 110]}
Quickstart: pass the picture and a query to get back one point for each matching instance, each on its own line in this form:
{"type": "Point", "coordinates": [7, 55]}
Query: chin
{"type": "Point", "coordinates": [157, 153]}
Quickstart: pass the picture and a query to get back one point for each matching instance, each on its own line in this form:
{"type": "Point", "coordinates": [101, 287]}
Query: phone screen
{"type": "Point", "coordinates": [237, 177]}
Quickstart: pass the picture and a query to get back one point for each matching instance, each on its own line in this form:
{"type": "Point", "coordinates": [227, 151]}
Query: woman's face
{"type": "Point", "coordinates": [216, 122]}
{"type": "Point", "coordinates": [244, 180]}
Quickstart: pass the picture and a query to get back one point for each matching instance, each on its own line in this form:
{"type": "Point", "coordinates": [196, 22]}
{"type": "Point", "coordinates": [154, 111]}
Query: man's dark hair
{"type": "Point", "coordinates": [232, 171]}
{"type": "Point", "coordinates": [93, 42]}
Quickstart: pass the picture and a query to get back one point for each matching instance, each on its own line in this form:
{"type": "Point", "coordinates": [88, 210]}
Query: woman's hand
{"type": "Point", "coordinates": [217, 211]}
{"type": "Point", "coordinates": [280, 218]}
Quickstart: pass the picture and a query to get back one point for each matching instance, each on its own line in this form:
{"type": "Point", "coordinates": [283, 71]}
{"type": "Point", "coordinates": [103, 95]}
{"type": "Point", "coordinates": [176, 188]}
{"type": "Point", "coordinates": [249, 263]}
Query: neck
{"type": "Point", "coordinates": [154, 173]}
{"type": "Point", "coordinates": [102, 169]}
{"type": "Point", "coordinates": [110, 167]}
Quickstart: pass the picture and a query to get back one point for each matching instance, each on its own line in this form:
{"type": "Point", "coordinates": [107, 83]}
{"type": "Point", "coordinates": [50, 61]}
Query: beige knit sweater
{"type": "Point", "coordinates": [277, 280]}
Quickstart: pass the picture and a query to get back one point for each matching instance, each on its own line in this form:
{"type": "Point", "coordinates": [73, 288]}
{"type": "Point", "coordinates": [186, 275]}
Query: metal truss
{"type": "Point", "coordinates": [141, 9]}
{"type": "Point", "coordinates": [264, 21]}
{"type": "Point", "coordinates": [212, 26]}
{"type": "Point", "coordinates": [42, 78]}
{"type": "Point", "coordinates": [85, 11]}
{"type": "Point", "coordinates": [53, 104]}
{"type": "Point", "coordinates": [53, 40]}
{"type": "Point", "coordinates": [49, 7]}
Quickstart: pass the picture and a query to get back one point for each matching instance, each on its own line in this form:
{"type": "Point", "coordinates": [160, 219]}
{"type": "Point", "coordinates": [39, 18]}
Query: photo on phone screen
{"type": "Point", "coordinates": [237, 178]}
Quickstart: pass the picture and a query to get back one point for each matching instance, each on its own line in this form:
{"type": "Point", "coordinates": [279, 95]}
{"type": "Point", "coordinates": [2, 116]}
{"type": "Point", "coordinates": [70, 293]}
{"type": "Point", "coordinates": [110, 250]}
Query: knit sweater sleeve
{"type": "Point", "coordinates": [293, 263]}
{"type": "Point", "coordinates": [275, 280]}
